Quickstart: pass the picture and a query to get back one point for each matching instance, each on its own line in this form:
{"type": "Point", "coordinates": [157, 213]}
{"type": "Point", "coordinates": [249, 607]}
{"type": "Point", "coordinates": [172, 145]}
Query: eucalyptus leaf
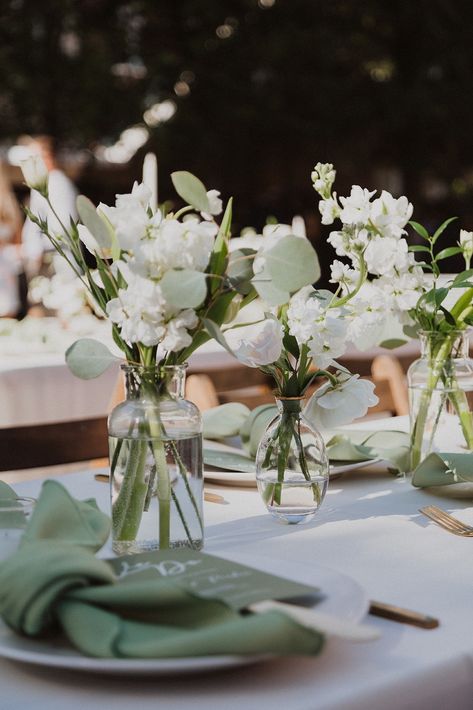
{"type": "Point", "coordinates": [225, 420]}
{"type": "Point", "coordinates": [267, 289]}
{"type": "Point", "coordinates": [100, 228]}
{"type": "Point", "coordinates": [292, 263]}
{"type": "Point", "coordinates": [392, 343]}
{"type": "Point", "coordinates": [88, 358]}
{"type": "Point", "coordinates": [184, 288]}
{"type": "Point", "coordinates": [214, 331]}
{"type": "Point", "coordinates": [191, 189]}
{"type": "Point", "coordinates": [240, 270]}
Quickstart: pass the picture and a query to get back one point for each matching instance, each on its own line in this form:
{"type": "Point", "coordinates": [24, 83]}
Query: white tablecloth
{"type": "Point", "coordinates": [369, 528]}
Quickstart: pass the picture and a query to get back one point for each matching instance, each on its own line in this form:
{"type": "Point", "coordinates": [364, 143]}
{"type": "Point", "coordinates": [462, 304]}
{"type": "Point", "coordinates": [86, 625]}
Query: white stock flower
{"type": "Point", "coordinates": [390, 215]}
{"type": "Point", "coordinates": [322, 329]}
{"type": "Point", "coordinates": [258, 344]}
{"type": "Point", "coordinates": [329, 209]}
{"type": "Point", "coordinates": [130, 217]}
{"type": "Point", "coordinates": [466, 243]}
{"type": "Point", "coordinates": [356, 208]}
{"type": "Point", "coordinates": [342, 273]}
{"type": "Point", "coordinates": [333, 406]}
{"type": "Point", "coordinates": [323, 177]}
{"type": "Point", "coordinates": [385, 255]}
{"type": "Point", "coordinates": [215, 203]}
{"type": "Point", "coordinates": [177, 337]}
{"type": "Point", "coordinates": [35, 173]}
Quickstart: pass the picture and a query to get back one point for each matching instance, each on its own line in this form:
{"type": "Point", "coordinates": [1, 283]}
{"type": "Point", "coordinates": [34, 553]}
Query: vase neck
{"type": "Point", "coordinates": [455, 343]}
{"type": "Point", "coordinates": [291, 405]}
{"type": "Point", "coordinates": [165, 381]}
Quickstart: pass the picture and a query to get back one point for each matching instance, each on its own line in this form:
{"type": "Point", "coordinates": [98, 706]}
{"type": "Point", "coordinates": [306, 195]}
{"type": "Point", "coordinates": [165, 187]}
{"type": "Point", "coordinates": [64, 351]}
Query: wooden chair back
{"type": "Point", "coordinates": [41, 445]}
{"type": "Point", "coordinates": [391, 385]}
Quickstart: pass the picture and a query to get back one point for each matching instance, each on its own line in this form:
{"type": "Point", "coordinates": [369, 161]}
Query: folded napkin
{"type": "Point", "coordinates": [55, 582]}
{"type": "Point", "coordinates": [443, 469]}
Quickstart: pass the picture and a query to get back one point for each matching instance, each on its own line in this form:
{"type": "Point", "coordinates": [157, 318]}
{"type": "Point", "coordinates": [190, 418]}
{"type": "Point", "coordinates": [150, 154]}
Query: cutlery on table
{"type": "Point", "coordinates": [209, 497]}
{"type": "Point", "coordinates": [447, 521]}
{"type": "Point", "coordinates": [403, 616]}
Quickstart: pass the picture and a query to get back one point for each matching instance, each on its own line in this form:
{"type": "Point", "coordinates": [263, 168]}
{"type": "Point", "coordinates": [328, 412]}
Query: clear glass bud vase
{"type": "Point", "coordinates": [441, 395]}
{"type": "Point", "coordinates": [155, 440]}
{"type": "Point", "coordinates": [292, 468]}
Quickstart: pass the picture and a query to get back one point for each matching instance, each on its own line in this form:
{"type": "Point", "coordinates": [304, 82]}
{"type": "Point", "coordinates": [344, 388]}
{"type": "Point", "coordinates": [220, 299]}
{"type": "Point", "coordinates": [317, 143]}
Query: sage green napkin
{"type": "Point", "coordinates": [55, 582]}
{"type": "Point", "coordinates": [443, 469]}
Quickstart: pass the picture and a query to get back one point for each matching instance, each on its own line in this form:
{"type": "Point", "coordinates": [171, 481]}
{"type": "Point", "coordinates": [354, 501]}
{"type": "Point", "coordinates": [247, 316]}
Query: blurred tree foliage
{"type": "Point", "coordinates": [263, 90]}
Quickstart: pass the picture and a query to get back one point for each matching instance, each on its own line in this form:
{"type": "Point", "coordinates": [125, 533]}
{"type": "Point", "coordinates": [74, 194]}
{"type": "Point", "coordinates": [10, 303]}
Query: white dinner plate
{"type": "Point", "coordinates": [248, 480]}
{"type": "Point", "coordinates": [344, 598]}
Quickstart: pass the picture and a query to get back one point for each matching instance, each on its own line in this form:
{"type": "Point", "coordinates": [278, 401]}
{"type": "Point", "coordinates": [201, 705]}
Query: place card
{"type": "Point", "coordinates": [213, 578]}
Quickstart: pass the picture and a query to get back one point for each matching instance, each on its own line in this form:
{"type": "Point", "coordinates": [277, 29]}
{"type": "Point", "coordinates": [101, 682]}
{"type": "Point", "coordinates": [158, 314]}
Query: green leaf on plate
{"type": "Point", "coordinates": [225, 420]}
{"type": "Point", "coordinates": [88, 358]}
{"type": "Point", "coordinates": [184, 288]}
{"type": "Point", "coordinates": [228, 460]}
{"type": "Point", "coordinates": [191, 189]}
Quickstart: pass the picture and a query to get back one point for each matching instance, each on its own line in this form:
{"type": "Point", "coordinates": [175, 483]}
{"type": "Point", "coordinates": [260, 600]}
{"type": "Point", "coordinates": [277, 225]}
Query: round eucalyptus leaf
{"type": "Point", "coordinates": [88, 358]}
{"type": "Point", "coordinates": [191, 189]}
{"type": "Point", "coordinates": [184, 288]}
{"type": "Point", "coordinates": [268, 289]}
{"type": "Point", "coordinates": [292, 263]}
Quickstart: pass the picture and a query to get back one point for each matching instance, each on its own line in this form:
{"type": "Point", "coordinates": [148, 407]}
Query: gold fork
{"type": "Point", "coordinates": [447, 521]}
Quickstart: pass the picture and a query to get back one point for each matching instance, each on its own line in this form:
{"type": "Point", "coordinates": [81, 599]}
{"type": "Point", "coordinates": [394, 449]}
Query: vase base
{"type": "Point", "coordinates": [136, 547]}
{"type": "Point", "coordinates": [292, 517]}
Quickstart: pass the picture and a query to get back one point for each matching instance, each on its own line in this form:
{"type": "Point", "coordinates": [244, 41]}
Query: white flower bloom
{"type": "Point", "coordinates": [91, 243]}
{"type": "Point", "coordinates": [342, 273]}
{"type": "Point", "coordinates": [385, 255]}
{"type": "Point", "coordinates": [331, 407]}
{"type": "Point", "coordinates": [329, 209]}
{"type": "Point", "coordinates": [323, 177]}
{"type": "Point", "coordinates": [215, 203]}
{"type": "Point", "coordinates": [35, 173]}
{"type": "Point", "coordinates": [356, 208]}
{"type": "Point", "coordinates": [258, 344]}
{"type": "Point", "coordinates": [466, 243]}
{"type": "Point", "coordinates": [390, 215]}
{"type": "Point", "coordinates": [323, 330]}
{"type": "Point", "coordinates": [177, 337]}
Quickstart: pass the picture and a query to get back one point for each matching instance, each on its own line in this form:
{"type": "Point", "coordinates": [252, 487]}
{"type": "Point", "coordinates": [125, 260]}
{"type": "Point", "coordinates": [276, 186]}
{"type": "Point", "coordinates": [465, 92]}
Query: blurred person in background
{"type": "Point", "coordinates": [10, 239]}
{"type": "Point", "coordinates": [62, 194]}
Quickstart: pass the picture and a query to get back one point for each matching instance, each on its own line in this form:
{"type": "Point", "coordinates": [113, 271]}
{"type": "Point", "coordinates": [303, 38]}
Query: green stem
{"type": "Point", "coordinates": [128, 507]}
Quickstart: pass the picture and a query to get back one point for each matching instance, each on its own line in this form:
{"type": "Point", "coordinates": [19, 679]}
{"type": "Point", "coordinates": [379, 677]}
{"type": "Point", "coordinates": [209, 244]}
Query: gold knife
{"type": "Point", "coordinates": [403, 616]}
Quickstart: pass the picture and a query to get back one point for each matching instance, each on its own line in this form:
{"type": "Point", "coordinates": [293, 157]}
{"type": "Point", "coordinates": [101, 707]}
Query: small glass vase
{"type": "Point", "coordinates": [156, 481]}
{"type": "Point", "coordinates": [441, 395]}
{"type": "Point", "coordinates": [292, 468]}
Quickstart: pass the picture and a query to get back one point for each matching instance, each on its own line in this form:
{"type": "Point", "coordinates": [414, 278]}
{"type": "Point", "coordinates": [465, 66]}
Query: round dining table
{"type": "Point", "coordinates": [370, 532]}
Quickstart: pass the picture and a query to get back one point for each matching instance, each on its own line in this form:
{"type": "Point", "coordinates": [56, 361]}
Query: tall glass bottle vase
{"type": "Point", "coordinates": [292, 467]}
{"type": "Point", "coordinates": [155, 440]}
{"type": "Point", "coordinates": [441, 395]}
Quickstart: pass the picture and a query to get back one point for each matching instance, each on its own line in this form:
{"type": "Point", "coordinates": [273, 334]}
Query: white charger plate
{"type": "Point", "coordinates": [344, 598]}
{"type": "Point", "coordinates": [248, 480]}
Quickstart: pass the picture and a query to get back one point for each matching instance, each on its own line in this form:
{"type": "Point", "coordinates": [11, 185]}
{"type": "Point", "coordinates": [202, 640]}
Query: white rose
{"type": "Point", "coordinates": [258, 344]}
{"type": "Point", "coordinates": [35, 173]}
{"type": "Point", "coordinates": [331, 407]}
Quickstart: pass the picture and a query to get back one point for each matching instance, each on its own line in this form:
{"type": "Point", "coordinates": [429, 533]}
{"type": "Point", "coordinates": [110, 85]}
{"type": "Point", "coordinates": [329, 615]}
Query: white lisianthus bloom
{"type": "Point", "coordinates": [390, 215]}
{"type": "Point", "coordinates": [357, 206]}
{"type": "Point", "coordinates": [35, 173]}
{"type": "Point", "coordinates": [130, 217]}
{"type": "Point", "coordinates": [333, 406]}
{"type": "Point", "coordinates": [385, 255]}
{"type": "Point", "coordinates": [258, 344]}
{"type": "Point", "coordinates": [329, 209]}
{"type": "Point", "coordinates": [466, 244]}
